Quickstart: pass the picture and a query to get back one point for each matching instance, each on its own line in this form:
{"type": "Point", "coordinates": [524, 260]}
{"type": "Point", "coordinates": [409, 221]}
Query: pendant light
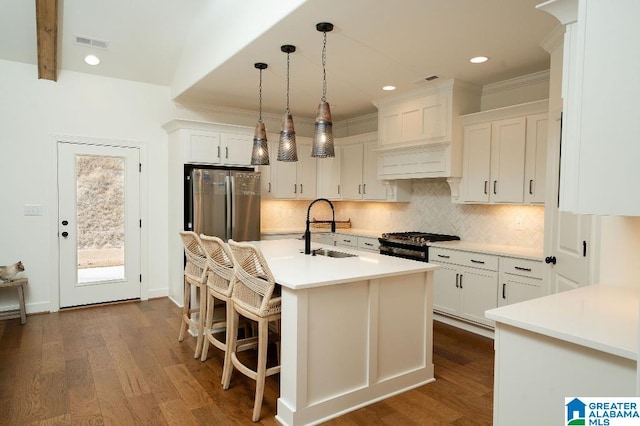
{"type": "Point", "coordinates": [260, 152]}
{"type": "Point", "coordinates": [287, 150]}
{"type": "Point", "coordinates": [323, 137]}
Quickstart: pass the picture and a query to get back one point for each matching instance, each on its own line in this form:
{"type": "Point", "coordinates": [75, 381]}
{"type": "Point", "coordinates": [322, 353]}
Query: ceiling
{"type": "Point", "coordinates": [373, 44]}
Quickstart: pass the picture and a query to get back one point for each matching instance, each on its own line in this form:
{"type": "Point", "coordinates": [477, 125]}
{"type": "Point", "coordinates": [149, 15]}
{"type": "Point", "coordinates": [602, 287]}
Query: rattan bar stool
{"type": "Point", "coordinates": [253, 298]}
{"type": "Point", "coordinates": [195, 274]}
{"type": "Point", "coordinates": [219, 287]}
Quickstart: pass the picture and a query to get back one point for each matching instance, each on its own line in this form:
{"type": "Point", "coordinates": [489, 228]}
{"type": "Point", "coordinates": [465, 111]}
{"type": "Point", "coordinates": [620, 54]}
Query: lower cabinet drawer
{"type": "Point", "coordinates": [369, 244]}
{"type": "Point", "coordinates": [524, 267]}
{"type": "Point", "coordinates": [346, 240]}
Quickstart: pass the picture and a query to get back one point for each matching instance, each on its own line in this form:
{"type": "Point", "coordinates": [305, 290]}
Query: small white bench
{"type": "Point", "coordinates": [16, 313]}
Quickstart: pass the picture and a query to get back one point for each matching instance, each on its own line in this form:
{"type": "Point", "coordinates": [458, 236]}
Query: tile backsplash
{"type": "Point", "coordinates": [430, 210]}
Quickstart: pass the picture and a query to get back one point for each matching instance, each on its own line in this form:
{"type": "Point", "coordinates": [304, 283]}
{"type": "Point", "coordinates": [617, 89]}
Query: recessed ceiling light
{"type": "Point", "coordinates": [478, 59]}
{"type": "Point", "coordinates": [389, 88]}
{"type": "Point", "coordinates": [92, 59]}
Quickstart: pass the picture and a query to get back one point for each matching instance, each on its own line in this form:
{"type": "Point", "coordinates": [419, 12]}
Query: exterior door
{"type": "Point", "coordinates": [98, 223]}
{"type": "Point", "coordinates": [567, 235]}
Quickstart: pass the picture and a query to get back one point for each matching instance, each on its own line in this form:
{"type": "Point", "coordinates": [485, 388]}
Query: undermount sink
{"type": "Point", "coordinates": [331, 253]}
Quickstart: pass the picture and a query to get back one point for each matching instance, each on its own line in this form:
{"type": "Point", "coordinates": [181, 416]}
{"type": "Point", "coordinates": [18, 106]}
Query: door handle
{"type": "Point", "coordinates": [65, 234]}
{"type": "Point", "coordinates": [460, 280]}
{"type": "Point", "coordinates": [495, 182]}
{"type": "Point", "coordinates": [65, 222]}
{"type": "Point", "coordinates": [485, 186]}
{"type": "Point", "coordinates": [504, 289]}
{"type": "Point", "coordinates": [550, 259]}
{"type": "Point", "coordinates": [457, 276]}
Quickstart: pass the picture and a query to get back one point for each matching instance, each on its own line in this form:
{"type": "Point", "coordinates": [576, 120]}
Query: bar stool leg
{"type": "Point", "coordinates": [261, 370]}
{"type": "Point", "coordinates": [185, 310]}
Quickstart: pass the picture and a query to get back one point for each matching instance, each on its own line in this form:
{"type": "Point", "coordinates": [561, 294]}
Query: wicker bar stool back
{"type": "Point", "coordinates": [195, 274]}
{"type": "Point", "coordinates": [253, 297]}
{"type": "Point", "coordinates": [219, 287]}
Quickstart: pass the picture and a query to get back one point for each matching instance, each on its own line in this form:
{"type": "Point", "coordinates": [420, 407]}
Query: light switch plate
{"type": "Point", "coordinates": [33, 209]}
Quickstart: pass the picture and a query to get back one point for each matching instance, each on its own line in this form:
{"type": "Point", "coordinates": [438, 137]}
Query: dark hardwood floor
{"type": "Point", "coordinates": [121, 364]}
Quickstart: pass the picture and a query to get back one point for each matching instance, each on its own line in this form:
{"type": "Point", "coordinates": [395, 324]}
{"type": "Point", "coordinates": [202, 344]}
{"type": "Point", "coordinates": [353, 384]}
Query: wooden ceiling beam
{"type": "Point", "coordinates": [47, 35]}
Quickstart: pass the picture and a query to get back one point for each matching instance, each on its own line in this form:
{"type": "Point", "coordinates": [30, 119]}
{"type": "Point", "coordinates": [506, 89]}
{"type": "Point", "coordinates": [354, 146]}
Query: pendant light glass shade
{"type": "Point", "coordinates": [287, 149]}
{"type": "Point", "coordinates": [323, 136]}
{"type": "Point", "coordinates": [260, 151]}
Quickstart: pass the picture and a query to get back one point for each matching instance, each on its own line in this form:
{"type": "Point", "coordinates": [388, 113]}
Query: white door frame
{"type": "Point", "coordinates": [53, 216]}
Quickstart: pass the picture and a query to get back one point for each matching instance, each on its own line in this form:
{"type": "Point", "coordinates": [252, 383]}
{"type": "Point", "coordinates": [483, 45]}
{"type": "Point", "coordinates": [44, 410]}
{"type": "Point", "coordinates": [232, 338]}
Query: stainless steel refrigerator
{"type": "Point", "coordinates": [223, 202]}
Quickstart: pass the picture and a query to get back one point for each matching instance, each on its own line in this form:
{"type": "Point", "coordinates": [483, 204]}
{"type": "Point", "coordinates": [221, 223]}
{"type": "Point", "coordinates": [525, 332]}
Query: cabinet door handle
{"type": "Point", "coordinates": [460, 280]}
{"type": "Point", "coordinates": [364, 188]}
{"type": "Point", "coordinates": [226, 152]}
{"type": "Point", "coordinates": [520, 268]}
{"type": "Point", "coordinates": [359, 189]}
{"type": "Point", "coordinates": [457, 276]}
{"type": "Point", "coordinates": [477, 261]}
{"type": "Point", "coordinates": [495, 183]}
{"type": "Point", "coordinates": [444, 256]}
{"type": "Point", "coordinates": [530, 186]}
{"type": "Point", "coordinates": [347, 241]}
{"type": "Point", "coordinates": [295, 188]}
{"type": "Point", "coordinates": [338, 189]}
{"type": "Point", "coordinates": [269, 187]}
{"type": "Point", "coordinates": [504, 290]}
{"type": "Point", "coordinates": [301, 188]}
{"type": "Point", "coordinates": [486, 182]}
{"type": "Point", "coordinates": [368, 244]}
{"type": "Point", "coordinates": [218, 152]}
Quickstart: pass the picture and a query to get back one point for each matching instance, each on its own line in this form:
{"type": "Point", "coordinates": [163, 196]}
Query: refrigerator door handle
{"type": "Point", "coordinates": [230, 207]}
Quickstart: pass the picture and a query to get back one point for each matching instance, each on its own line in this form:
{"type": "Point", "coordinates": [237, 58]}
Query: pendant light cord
{"type": "Point", "coordinates": [260, 116]}
{"type": "Point", "coordinates": [324, 68]}
{"type": "Point", "coordinates": [288, 111]}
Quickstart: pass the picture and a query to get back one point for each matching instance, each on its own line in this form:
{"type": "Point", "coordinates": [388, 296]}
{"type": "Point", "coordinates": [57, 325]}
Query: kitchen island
{"type": "Point", "coordinates": [582, 342]}
{"type": "Point", "coordinates": [355, 330]}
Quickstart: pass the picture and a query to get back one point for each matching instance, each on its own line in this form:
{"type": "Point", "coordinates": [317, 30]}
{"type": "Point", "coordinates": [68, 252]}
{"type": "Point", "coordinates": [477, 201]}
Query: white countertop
{"type": "Point", "coordinates": [601, 317]}
{"type": "Point", "coordinates": [497, 249]}
{"type": "Point", "coordinates": [293, 269]}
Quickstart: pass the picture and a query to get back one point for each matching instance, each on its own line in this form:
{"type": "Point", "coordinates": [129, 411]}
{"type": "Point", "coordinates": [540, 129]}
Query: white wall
{"type": "Point", "coordinates": [78, 105]}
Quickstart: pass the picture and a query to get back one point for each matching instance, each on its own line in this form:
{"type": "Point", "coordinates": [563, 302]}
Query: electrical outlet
{"type": "Point", "coordinates": [519, 224]}
{"type": "Point", "coordinates": [33, 209]}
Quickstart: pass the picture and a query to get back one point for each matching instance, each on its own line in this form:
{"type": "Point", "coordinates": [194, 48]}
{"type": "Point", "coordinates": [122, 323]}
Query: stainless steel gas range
{"type": "Point", "coordinates": [410, 245]}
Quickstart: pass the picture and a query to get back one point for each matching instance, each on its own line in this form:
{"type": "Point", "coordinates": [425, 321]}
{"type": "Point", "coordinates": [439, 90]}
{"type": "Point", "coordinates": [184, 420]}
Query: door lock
{"type": "Point", "coordinates": [65, 234]}
{"type": "Point", "coordinates": [65, 222]}
{"type": "Point", "coordinates": [550, 259]}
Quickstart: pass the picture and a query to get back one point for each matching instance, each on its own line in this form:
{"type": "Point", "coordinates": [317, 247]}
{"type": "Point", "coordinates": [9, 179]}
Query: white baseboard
{"type": "Point", "coordinates": [155, 293]}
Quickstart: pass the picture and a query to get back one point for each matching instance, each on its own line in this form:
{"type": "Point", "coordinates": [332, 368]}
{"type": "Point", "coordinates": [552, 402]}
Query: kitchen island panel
{"type": "Point", "coordinates": [349, 345]}
{"type": "Point", "coordinates": [404, 328]}
{"type": "Point", "coordinates": [336, 357]}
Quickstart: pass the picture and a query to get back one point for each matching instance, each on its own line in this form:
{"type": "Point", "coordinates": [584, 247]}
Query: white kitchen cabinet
{"type": "Point", "coordinates": [368, 244]}
{"type": "Point", "coordinates": [359, 172]}
{"type": "Point", "coordinates": [520, 280]}
{"type": "Point", "coordinates": [346, 240]}
{"type": "Point", "coordinates": [267, 173]}
{"type": "Point", "coordinates": [327, 238]}
{"type": "Point", "coordinates": [296, 180]}
{"type": "Point", "coordinates": [419, 132]}
{"type": "Point", "coordinates": [508, 139]}
{"type": "Point", "coordinates": [600, 148]}
{"type": "Point", "coordinates": [329, 176]}
{"type": "Point", "coordinates": [535, 166]}
{"type": "Point", "coordinates": [465, 286]}
{"type": "Point", "coordinates": [504, 155]}
{"type": "Point", "coordinates": [209, 147]}
{"type": "Point", "coordinates": [284, 236]}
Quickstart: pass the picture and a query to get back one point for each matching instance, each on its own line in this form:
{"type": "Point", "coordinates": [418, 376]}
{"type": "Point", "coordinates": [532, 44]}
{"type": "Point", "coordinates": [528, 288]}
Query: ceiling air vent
{"type": "Point", "coordinates": [426, 79]}
{"type": "Point", "coordinates": [92, 42]}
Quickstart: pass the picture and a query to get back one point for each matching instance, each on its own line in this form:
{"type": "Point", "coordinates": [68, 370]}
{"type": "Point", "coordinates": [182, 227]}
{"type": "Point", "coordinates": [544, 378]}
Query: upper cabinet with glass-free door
{"type": "Point", "coordinates": [504, 155]}
{"type": "Point", "coordinates": [600, 149]}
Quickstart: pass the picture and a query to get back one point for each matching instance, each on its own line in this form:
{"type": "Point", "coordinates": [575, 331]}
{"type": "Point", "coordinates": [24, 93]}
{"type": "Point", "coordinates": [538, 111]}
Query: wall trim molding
{"type": "Point", "coordinates": [516, 83]}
